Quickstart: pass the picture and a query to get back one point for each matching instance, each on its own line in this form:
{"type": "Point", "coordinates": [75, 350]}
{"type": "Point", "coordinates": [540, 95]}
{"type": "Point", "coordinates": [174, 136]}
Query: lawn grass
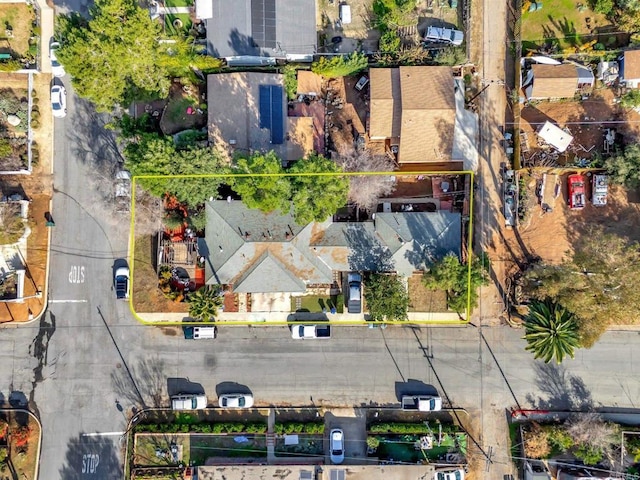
{"type": "Point", "coordinates": [206, 446]}
{"type": "Point", "coordinates": [178, 3]}
{"type": "Point", "coordinates": [559, 19]}
{"type": "Point", "coordinates": [308, 446]}
{"type": "Point", "coordinates": [315, 303]}
{"type": "Point", "coordinates": [19, 16]}
{"type": "Point", "coordinates": [186, 23]}
{"type": "Point", "coordinates": [146, 446]}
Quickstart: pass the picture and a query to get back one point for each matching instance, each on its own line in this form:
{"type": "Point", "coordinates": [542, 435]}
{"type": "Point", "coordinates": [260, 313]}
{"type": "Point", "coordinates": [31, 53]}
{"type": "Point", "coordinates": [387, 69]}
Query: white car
{"type": "Point", "coordinates": [59, 101]}
{"type": "Point", "coordinates": [337, 446]}
{"type": "Point", "coordinates": [236, 400]}
{"type": "Point", "coordinates": [450, 475]}
{"type": "Point", "coordinates": [56, 68]}
{"type": "Point", "coordinates": [188, 401]}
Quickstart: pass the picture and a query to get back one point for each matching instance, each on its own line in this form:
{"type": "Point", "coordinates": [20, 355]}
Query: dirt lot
{"type": "Point", "coordinates": [586, 120]}
{"type": "Point", "coordinates": [421, 299]}
{"type": "Point", "coordinates": [37, 187]}
{"type": "Point", "coordinates": [550, 236]}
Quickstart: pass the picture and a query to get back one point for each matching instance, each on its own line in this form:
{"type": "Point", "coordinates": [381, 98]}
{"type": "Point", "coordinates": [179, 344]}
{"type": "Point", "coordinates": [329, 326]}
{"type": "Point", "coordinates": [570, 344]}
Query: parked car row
{"type": "Point", "coordinates": [193, 401]}
{"type": "Point", "coordinates": [58, 92]}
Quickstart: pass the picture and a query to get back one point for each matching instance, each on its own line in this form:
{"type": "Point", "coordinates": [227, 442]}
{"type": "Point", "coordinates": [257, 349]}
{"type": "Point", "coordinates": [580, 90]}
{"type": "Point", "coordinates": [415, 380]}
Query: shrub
{"type": "Point", "coordinates": [589, 454]}
{"type": "Point", "coordinates": [559, 439]}
{"type": "Point", "coordinates": [536, 442]}
{"type": "Point", "coordinates": [340, 66]}
{"type": "Point", "coordinates": [290, 81]}
{"type": "Point", "coordinates": [6, 149]}
{"type": "Point", "coordinates": [399, 428]}
{"type": "Point", "coordinates": [390, 41]}
{"type": "Point", "coordinates": [10, 66]}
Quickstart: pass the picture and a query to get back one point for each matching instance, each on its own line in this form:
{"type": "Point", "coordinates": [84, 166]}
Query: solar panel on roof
{"type": "Point", "coordinates": [277, 116]}
{"type": "Point", "coordinates": [263, 22]}
{"type": "Point", "coordinates": [271, 111]}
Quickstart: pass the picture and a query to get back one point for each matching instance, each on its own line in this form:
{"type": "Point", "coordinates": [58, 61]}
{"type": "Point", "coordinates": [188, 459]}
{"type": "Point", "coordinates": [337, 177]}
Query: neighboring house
{"type": "Point", "coordinates": [259, 32]}
{"type": "Point", "coordinates": [247, 111]}
{"type": "Point", "coordinates": [630, 68]}
{"type": "Point", "coordinates": [545, 81]}
{"type": "Point", "coordinates": [256, 252]}
{"type": "Point", "coordinates": [419, 113]}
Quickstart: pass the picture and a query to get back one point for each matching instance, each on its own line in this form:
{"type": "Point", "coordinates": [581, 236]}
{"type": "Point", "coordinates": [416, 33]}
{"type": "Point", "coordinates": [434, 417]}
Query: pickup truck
{"type": "Point", "coordinates": [121, 283]}
{"type": "Point", "coordinates": [422, 403]}
{"type": "Point", "coordinates": [310, 331]}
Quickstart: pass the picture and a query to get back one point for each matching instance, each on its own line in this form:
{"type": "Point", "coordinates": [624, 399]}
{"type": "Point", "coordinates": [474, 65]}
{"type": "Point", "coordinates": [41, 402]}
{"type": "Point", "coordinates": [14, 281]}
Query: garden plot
{"type": "Point", "coordinates": [227, 446]}
{"type": "Point", "coordinates": [161, 449]}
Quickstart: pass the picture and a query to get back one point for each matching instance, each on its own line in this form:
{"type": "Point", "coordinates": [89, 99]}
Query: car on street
{"type": "Point", "coordinates": [121, 282]}
{"type": "Point", "coordinates": [457, 474]}
{"type": "Point", "coordinates": [188, 401]}
{"type": "Point", "coordinates": [198, 333]}
{"type": "Point", "coordinates": [56, 68]}
{"type": "Point", "coordinates": [354, 299]}
{"type": "Point", "coordinates": [300, 332]}
{"type": "Point", "coordinates": [59, 101]}
{"type": "Point", "coordinates": [444, 35]}
{"type": "Point", "coordinates": [422, 403]}
{"type": "Point", "coordinates": [337, 446]}
{"type": "Point", "coordinates": [236, 400]}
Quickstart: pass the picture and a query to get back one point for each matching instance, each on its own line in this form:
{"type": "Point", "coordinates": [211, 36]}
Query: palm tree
{"type": "Point", "coordinates": [205, 302]}
{"type": "Point", "coordinates": [551, 331]}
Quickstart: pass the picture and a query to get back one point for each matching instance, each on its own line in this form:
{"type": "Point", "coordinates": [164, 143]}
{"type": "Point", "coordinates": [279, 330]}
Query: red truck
{"type": "Point", "coordinates": [577, 193]}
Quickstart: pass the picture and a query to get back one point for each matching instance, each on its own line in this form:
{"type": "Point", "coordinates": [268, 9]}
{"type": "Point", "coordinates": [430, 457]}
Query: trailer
{"type": "Point", "coordinates": [599, 190]}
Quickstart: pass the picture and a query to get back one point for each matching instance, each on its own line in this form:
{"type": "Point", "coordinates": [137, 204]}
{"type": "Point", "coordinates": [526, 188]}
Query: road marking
{"type": "Point", "coordinates": [90, 462]}
{"type": "Point", "coordinates": [67, 301]}
{"type": "Point", "coordinates": [103, 434]}
{"type": "Point", "coordinates": [76, 274]}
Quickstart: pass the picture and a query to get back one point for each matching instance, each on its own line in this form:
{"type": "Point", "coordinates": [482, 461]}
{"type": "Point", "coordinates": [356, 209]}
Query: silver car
{"type": "Point", "coordinates": [59, 101]}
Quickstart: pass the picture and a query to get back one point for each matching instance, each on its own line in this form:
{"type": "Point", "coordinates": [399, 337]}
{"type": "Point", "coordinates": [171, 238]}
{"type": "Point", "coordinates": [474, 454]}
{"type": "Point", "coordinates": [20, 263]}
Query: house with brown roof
{"type": "Point", "coordinates": [419, 113]}
{"type": "Point", "coordinates": [562, 80]}
{"type": "Point", "coordinates": [630, 68]}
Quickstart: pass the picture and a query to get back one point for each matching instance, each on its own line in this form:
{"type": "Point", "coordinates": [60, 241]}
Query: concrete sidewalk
{"type": "Point", "coordinates": [283, 317]}
{"type": "Point", "coordinates": [47, 21]}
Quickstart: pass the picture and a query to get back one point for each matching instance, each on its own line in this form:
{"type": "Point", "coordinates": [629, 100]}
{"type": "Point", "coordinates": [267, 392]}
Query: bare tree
{"type": "Point", "coordinates": [149, 213]}
{"type": "Point", "coordinates": [591, 430]}
{"type": "Point", "coordinates": [366, 190]}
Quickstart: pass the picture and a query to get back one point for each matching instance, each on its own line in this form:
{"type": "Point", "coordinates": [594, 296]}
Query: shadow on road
{"type": "Point", "coordinates": [231, 387]}
{"type": "Point", "coordinates": [91, 457]}
{"type": "Point", "coordinates": [563, 390]}
{"type": "Point", "coordinates": [183, 385]}
{"type": "Point", "coordinates": [414, 387]}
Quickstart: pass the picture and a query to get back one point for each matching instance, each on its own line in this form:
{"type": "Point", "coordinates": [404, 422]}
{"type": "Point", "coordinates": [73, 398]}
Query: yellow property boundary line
{"type": "Point", "coordinates": [305, 174]}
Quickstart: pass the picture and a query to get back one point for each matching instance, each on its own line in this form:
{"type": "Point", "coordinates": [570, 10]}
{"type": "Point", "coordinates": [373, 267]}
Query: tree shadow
{"type": "Point", "coordinates": [91, 457]}
{"type": "Point", "coordinates": [366, 252]}
{"type": "Point", "coordinates": [150, 381]}
{"type": "Point", "coordinates": [560, 390]}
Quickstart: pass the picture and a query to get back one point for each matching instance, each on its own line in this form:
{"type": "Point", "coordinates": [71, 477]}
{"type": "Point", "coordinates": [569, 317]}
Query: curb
{"type": "Point", "coordinates": [37, 468]}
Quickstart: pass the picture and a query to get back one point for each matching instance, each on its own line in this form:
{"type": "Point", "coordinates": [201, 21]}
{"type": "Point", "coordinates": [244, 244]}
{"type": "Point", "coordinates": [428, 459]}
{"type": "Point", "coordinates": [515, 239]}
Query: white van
{"type": "Point", "coordinates": [196, 333]}
{"type": "Point", "coordinates": [188, 401]}
{"type": "Point", "coordinates": [345, 13]}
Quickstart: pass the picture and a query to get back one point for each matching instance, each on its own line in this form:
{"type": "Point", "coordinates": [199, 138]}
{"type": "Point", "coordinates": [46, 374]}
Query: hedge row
{"type": "Point", "coordinates": [185, 426]}
{"type": "Point", "coordinates": [410, 428]}
{"type": "Point", "coordinates": [226, 427]}
{"type": "Point", "coordinates": [294, 427]}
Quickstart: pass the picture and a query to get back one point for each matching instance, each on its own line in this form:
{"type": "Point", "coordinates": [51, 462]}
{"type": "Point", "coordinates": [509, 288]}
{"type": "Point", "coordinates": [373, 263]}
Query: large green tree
{"type": "Point", "coordinates": [318, 190]}
{"type": "Point", "coordinates": [453, 276]}
{"type": "Point", "coordinates": [624, 168]}
{"type": "Point", "coordinates": [151, 154]}
{"type": "Point", "coordinates": [115, 57]}
{"type": "Point", "coordinates": [387, 297]}
{"type": "Point", "coordinates": [551, 331]}
{"type": "Point", "coordinates": [205, 303]}
{"type": "Point", "coordinates": [268, 192]}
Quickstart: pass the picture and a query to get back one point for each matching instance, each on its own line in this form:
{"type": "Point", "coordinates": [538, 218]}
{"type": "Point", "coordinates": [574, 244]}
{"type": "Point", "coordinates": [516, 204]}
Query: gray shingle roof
{"type": "Point", "coordinates": [251, 250]}
{"type": "Point", "coordinates": [230, 31]}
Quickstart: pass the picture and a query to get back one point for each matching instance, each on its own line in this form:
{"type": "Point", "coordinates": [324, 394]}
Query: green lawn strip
{"type": "Point", "coordinates": [403, 447]}
{"type": "Point", "coordinates": [146, 446]}
{"type": "Point", "coordinates": [186, 23]}
{"type": "Point", "coordinates": [178, 3]}
{"type": "Point", "coordinates": [314, 303]}
{"type": "Point", "coordinates": [308, 446]}
{"type": "Point", "coordinates": [205, 446]}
